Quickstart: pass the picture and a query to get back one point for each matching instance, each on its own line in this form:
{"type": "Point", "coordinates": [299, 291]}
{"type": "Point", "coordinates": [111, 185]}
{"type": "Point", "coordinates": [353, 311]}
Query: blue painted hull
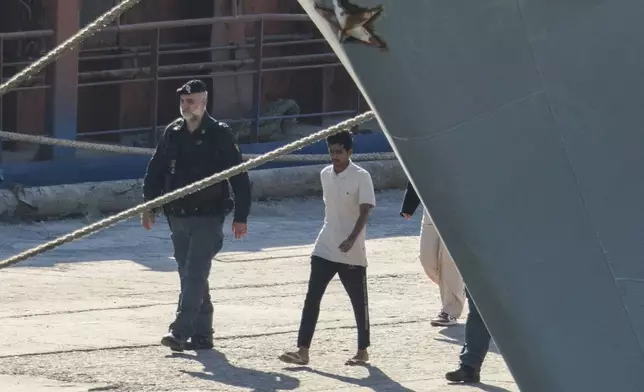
{"type": "Point", "coordinates": [129, 167]}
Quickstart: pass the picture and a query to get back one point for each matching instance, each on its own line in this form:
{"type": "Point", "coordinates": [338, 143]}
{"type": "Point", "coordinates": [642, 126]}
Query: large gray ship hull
{"type": "Point", "coordinates": [521, 125]}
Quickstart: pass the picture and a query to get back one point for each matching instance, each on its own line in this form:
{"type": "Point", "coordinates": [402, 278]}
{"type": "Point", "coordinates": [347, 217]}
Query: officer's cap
{"type": "Point", "coordinates": [192, 87]}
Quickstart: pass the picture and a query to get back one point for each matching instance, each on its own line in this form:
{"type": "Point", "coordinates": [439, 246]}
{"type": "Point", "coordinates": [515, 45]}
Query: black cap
{"type": "Point", "coordinates": [192, 87]}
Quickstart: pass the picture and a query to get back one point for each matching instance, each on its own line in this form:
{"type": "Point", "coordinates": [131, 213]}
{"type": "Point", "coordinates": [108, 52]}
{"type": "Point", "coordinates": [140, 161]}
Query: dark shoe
{"type": "Point", "coordinates": [174, 342]}
{"type": "Point", "coordinates": [464, 374]}
{"type": "Point", "coordinates": [200, 343]}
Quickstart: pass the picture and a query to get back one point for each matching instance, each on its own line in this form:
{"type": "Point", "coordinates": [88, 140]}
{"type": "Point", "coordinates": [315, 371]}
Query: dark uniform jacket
{"type": "Point", "coordinates": [411, 201]}
{"type": "Point", "coordinates": [210, 149]}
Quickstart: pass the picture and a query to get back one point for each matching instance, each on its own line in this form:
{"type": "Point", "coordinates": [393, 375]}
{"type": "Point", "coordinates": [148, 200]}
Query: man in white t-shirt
{"type": "Point", "coordinates": [340, 247]}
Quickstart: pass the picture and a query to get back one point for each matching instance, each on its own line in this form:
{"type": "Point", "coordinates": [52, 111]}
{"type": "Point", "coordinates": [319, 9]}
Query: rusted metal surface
{"type": "Point", "coordinates": [257, 78]}
{"type": "Point", "coordinates": [195, 67]}
{"type": "Point", "coordinates": [27, 34]}
{"type": "Point", "coordinates": [62, 98]}
{"type": "Point", "coordinates": [124, 28]}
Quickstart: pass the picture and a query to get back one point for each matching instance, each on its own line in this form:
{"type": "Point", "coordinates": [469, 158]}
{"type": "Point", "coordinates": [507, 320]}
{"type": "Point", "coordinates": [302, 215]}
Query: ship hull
{"type": "Point", "coordinates": [519, 123]}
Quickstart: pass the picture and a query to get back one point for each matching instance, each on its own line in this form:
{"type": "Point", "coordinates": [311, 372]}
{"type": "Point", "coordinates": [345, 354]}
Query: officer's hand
{"type": "Point", "coordinates": [147, 219]}
{"type": "Point", "coordinates": [239, 229]}
{"type": "Point", "coordinates": [406, 216]}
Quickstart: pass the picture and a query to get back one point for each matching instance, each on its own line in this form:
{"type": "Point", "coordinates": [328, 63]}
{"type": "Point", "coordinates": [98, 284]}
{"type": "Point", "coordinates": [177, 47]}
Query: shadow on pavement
{"type": "Point", "coordinates": [217, 368]}
{"type": "Point", "coordinates": [377, 380]}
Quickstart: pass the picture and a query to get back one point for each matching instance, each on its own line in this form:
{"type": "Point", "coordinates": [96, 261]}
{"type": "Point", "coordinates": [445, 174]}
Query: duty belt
{"type": "Point", "coordinates": [191, 211]}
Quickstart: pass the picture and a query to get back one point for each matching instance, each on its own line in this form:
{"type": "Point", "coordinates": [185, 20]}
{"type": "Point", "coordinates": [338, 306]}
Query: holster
{"type": "Point", "coordinates": [227, 205]}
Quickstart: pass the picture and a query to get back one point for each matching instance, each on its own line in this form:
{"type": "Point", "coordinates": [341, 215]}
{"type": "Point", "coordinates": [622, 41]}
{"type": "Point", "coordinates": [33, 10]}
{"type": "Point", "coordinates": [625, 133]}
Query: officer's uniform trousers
{"type": "Point", "coordinates": [196, 240]}
{"type": "Point", "coordinates": [440, 268]}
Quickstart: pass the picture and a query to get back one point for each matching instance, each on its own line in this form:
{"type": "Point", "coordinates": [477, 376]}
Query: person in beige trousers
{"type": "Point", "coordinates": [437, 263]}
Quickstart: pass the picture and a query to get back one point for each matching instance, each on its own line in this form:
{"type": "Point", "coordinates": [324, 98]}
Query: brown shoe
{"type": "Point", "coordinates": [464, 374]}
{"type": "Point", "coordinates": [294, 358]}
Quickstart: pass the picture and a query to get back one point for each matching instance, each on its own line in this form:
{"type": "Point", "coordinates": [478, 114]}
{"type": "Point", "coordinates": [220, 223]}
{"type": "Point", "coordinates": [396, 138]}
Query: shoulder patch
{"type": "Point", "coordinates": [177, 124]}
{"type": "Point", "coordinates": [211, 123]}
{"type": "Point", "coordinates": [224, 126]}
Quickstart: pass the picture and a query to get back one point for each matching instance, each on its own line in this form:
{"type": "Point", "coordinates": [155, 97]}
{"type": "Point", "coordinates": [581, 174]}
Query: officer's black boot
{"type": "Point", "coordinates": [200, 343]}
{"type": "Point", "coordinates": [464, 374]}
{"type": "Point", "coordinates": [174, 341]}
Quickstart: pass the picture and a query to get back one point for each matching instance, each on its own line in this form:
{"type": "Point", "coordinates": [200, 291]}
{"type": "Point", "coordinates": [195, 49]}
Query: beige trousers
{"type": "Point", "coordinates": [440, 268]}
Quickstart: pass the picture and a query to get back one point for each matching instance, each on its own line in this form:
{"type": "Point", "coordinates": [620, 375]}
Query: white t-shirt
{"type": "Point", "coordinates": [343, 193]}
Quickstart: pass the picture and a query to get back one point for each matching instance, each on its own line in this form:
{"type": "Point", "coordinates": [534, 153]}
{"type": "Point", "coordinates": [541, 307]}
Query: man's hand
{"type": "Point", "coordinates": [406, 216]}
{"type": "Point", "coordinates": [147, 219]}
{"type": "Point", "coordinates": [347, 244]}
{"type": "Point", "coordinates": [239, 229]}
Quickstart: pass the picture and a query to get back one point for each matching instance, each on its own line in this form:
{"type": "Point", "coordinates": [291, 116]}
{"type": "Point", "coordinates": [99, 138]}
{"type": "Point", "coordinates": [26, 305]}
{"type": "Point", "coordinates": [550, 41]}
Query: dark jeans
{"type": "Point", "coordinates": [477, 338]}
{"type": "Point", "coordinates": [354, 280]}
{"type": "Point", "coordinates": [196, 240]}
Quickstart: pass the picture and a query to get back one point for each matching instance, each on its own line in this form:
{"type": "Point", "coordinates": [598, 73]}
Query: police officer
{"type": "Point", "coordinates": [191, 148]}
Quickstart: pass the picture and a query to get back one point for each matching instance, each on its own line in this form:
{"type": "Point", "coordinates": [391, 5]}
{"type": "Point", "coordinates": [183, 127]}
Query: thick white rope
{"type": "Point", "coordinates": [206, 182]}
{"type": "Point", "coordinates": [19, 137]}
{"type": "Point", "coordinates": [380, 156]}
